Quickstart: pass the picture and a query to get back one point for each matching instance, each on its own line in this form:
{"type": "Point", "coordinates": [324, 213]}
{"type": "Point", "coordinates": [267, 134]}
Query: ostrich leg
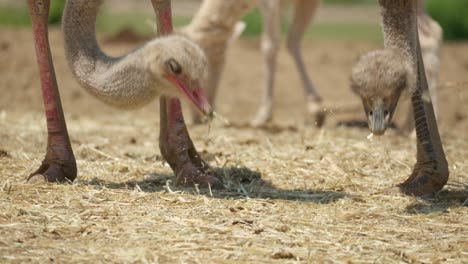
{"type": "Point", "coordinates": [303, 14]}
{"type": "Point", "coordinates": [270, 10]}
{"type": "Point", "coordinates": [174, 141]}
{"type": "Point", "coordinates": [430, 40]}
{"type": "Point", "coordinates": [430, 173]}
{"type": "Point", "coordinates": [59, 164]}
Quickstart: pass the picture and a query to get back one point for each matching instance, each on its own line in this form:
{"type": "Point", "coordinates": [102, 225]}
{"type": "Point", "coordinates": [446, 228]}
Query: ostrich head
{"type": "Point", "coordinates": [180, 69]}
{"type": "Point", "coordinates": [378, 78]}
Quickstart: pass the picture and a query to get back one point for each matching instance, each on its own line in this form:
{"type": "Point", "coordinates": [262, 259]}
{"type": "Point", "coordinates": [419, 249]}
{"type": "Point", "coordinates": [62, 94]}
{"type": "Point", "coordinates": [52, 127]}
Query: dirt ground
{"type": "Point", "coordinates": [296, 194]}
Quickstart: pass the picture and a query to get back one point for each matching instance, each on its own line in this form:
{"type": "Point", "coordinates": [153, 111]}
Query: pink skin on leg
{"type": "Point", "coordinates": [59, 164]}
{"type": "Point", "coordinates": [174, 141]}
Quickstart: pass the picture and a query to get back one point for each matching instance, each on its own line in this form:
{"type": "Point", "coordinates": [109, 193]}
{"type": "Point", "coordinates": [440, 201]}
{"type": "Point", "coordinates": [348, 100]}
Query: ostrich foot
{"type": "Point", "coordinates": [59, 165]}
{"type": "Point", "coordinates": [54, 170]}
{"type": "Point", "coordinates": [191, 170]}
{"type": "Point", "coordinates": [422, 183]}
{"type": "Point", "coordinates": [190, 174]}
{"type": "Point", "coordinates": [197, 171]}
{"type": "Point", "coordinates": [316, 111]}
{"type": "Point", "coordinates": [263, 116]}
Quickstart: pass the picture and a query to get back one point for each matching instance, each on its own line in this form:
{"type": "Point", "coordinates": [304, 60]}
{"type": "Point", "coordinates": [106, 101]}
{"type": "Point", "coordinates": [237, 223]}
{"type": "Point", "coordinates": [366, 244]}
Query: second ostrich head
{"type": "Point", "coordinates": [181, 68]}
{"type": "Point", "coordinates": [378, 78]}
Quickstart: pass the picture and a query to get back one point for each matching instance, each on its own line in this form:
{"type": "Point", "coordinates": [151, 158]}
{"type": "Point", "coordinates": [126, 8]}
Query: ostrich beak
{"type": "Point", "coordinates": [193, 92]}
{"type": "Point", "coordinates": [379, 114]}
{"type": "Point", "coordinates": [378, 122]}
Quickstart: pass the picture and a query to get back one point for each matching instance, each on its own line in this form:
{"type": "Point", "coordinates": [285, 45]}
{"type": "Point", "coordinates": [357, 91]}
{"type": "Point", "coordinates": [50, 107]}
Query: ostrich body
{"type": "Point", "coordinates": [167, 67]}
{"type": "Point", "coordinates": [379, 78]}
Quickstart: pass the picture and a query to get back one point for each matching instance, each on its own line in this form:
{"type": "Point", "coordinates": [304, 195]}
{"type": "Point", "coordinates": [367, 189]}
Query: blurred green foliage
{"type": "Point", "coordinates": [55, 12]}
{"type": "Point", "coordinates": [341, 31]}
{"type": "Point", "coordinates": [452, 16]}
{"type": "Point", "coordinates": [253, 22]}
{"type": "Point", "coordinates": [254, 18]}
{"type": "Point", "coordinates": [12, 16]}
{"type": "Point", "coordinates": [350, 2]}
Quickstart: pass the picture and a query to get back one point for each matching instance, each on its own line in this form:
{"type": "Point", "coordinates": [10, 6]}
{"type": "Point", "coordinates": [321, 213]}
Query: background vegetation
{"type": "Point", "coordinates": [450, 14]}
{"type": "Point", "coordinates": [354, 31]}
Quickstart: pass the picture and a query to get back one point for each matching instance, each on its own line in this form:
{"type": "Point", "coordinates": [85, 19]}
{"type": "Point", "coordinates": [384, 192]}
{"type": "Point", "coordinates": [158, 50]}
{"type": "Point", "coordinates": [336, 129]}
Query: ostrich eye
{"type": "Point", "coordinates": [174, 66]}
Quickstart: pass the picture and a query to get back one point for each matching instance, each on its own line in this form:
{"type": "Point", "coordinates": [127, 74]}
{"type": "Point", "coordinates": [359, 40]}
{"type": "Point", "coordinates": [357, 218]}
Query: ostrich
{"type": "Point", "coordinates": [169, 67]}
{"type": "Point", "coordinates": [213, 25]}
{"type": "Point", "coordinates": [379, 77]}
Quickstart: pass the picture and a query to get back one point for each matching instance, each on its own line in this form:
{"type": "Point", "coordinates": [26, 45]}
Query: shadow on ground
{"type": "Point", "coordinates": [240, 183]}
{"type": "Point", "coordinates": [455, 194]}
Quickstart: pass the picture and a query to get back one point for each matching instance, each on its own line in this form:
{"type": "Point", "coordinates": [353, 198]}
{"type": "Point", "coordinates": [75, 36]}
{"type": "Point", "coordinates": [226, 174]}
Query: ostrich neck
{"type": "Point", "coordinates": [123, 82]}
{"type": "Point", "coordinates": [399, 26]}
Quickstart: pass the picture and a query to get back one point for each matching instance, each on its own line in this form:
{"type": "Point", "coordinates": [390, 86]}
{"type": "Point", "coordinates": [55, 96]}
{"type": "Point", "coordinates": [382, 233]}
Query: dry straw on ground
{"type": "Point", "coordinates": [295, 194]}
{"type": "Point", "coordinates": [306, 196]}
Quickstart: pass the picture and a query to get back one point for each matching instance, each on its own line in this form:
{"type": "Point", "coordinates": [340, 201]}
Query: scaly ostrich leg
{"type": "Point", "coordinates": [174, 140]}
{"type": "Point", "coordinates": [59, 164]}
{"type": "Point", "coordinates": [430, 173]}
{"type": "Point", "coordinates": [430, 39]}
{"type": "Point", "coordinates": [380, 76]}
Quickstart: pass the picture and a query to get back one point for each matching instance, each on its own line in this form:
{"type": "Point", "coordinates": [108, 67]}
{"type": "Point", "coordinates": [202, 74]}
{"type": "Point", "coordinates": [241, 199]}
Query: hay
{"type": "Point", "coordinates": [304, 198]}
{"type": "Point", "coordinates": [295, 193]}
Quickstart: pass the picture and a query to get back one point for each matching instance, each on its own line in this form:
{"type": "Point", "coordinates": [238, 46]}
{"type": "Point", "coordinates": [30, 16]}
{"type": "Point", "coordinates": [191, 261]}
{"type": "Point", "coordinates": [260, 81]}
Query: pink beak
{"type": "Point", "coordinates": [196, 96]}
